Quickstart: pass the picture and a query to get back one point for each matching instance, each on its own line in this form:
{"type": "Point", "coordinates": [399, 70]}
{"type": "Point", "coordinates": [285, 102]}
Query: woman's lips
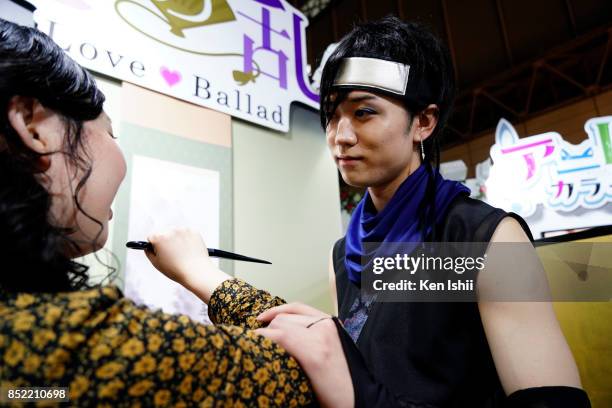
{"type": "Point", "coordinates": [110, 216]}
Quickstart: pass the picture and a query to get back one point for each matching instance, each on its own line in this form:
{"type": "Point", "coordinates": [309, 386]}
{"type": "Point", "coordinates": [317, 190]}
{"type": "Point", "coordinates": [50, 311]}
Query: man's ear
{"type": "Point", "coordinates": [25, 115]}
{"type": "Point", "coordinates": [426, 122]}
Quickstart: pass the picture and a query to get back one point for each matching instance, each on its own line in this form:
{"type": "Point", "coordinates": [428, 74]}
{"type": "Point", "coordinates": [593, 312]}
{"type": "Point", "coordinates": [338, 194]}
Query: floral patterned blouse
{"type": "Point", "coordinates": [111, 352]}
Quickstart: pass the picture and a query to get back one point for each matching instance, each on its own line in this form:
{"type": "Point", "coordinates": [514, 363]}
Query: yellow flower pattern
{"type": "Point", "coordinates": [110, 352]}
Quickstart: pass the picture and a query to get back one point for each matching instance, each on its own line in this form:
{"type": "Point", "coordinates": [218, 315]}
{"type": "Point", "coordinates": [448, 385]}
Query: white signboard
{"type": "Point", "coordinates": [246, 58]}
{"type": "Point", "coordinates": [546, 170]}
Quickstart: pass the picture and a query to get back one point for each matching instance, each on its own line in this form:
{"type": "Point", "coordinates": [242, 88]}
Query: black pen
{"type": "Point", "coordinates": [217, 253]}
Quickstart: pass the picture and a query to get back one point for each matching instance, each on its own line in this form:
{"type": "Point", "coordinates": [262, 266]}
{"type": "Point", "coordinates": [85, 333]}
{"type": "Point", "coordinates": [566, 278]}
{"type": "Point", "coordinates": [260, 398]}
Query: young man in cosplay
{"type": "Point", "coordinates": [386, 93]}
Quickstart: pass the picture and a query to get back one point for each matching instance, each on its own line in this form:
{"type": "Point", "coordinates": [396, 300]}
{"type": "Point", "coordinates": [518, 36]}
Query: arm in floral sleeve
{"type": "Point", "coordinates": [237, 303]}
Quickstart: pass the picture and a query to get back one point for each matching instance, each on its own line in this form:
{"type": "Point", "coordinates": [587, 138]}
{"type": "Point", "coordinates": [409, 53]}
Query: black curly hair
{"type": "Point", "coordinates": [35, 253]}
{"type": "Point", "coordinates": [408, 43]}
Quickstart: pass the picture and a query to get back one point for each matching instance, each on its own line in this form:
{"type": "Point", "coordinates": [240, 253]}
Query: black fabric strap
{"type": "Point", "coordinates": [549, 397]}
{"type": "Point", "coordinates": [338, 253]}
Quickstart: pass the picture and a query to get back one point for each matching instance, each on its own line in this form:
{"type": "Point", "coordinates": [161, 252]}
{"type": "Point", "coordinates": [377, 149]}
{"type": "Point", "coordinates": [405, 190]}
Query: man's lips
{"type": "Point", "coordinates": [343, 159]}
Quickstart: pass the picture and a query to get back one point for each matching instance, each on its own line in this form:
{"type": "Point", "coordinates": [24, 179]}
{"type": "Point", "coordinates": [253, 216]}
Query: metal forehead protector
{"type": "Point", "coordinates": [361, 72]}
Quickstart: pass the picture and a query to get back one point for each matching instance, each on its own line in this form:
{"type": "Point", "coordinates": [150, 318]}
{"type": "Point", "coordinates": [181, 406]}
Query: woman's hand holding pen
{"type": "Point", "coordinates": [182, 256]}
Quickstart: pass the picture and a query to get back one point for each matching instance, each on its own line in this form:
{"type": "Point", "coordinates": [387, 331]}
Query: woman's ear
{"type": "Point", "coordinates": [26, 116]}
{"type": "Point", "coordinates": [426, 122]}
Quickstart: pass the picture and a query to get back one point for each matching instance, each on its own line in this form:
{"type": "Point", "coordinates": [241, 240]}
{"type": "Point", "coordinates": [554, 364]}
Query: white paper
{"type": "Point", "coordinates": [166, 195]}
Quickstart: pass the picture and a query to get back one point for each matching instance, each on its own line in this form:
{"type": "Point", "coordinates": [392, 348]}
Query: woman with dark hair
{"type": "Point", "coordinates": [59, 172]}
{"type": "Point", "coordinates": [386, 93]}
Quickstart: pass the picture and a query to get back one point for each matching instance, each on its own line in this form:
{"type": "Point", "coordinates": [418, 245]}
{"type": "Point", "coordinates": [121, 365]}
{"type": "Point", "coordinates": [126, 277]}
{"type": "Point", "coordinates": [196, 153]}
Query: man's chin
{"type": "Point", "coordinates": [354, 181]}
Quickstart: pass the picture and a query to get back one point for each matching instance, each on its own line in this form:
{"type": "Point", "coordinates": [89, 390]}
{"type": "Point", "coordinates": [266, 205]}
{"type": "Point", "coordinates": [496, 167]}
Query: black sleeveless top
{"type": "Point", "coordinates": [424, 354]}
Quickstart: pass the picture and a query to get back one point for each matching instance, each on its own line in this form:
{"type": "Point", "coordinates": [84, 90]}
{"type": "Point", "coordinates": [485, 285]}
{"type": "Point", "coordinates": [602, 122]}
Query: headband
{"type": "Point", "coordinates": [381, 75]}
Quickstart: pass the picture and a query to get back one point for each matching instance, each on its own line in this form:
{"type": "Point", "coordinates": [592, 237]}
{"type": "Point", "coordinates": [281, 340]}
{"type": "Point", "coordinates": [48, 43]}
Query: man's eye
{"type": "Point", "coordinates": [360, 113]}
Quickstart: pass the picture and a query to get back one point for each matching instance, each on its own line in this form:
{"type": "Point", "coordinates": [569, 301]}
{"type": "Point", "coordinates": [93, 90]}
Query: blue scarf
{"type": "Point", "coordinates": [399, 220]}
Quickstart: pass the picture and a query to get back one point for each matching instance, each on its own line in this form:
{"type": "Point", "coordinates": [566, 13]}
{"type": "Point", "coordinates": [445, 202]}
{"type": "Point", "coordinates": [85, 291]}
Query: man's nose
{"type": "Point", "coordinates": [345, 134]}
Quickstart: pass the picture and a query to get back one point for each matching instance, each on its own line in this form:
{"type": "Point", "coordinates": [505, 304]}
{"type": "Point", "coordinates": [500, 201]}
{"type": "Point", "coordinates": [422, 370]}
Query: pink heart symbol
{"type": "Point", "coordinates": [171, 77]}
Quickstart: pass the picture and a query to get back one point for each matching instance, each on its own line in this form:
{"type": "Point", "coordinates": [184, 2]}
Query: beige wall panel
{"type": "Point", "coordinates": [286, 208]}
{"type": "Point", "coordinates": [156, 111]}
